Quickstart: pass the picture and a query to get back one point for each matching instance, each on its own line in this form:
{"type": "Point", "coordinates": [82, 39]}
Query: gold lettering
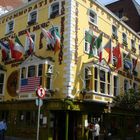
{"type": "Point", "coordinates": [29, 9]}
{"type": "Point", "coordinates": [35, 7]}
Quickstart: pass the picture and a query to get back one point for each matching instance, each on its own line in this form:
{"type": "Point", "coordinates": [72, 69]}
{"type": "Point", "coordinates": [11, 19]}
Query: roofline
{"type": "Point", "coordinates": [18, 8]}
{"type": "Point", "coordinates": [114, 16]}
{"type": "Point", "coordinates": [96, 1]}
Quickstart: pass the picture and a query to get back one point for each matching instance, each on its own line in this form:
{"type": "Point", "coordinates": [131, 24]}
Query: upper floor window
{"type": "Point", "coordinates": [124, 39]}
{"type": "Point", "coordinates": [1, 83]}
{"type": "Point", "coordinates": [119, 13]}
{"type": "Point", "coordinates": [126, 85]}
{"type": "Point", "coordinates": [114, 32]}
{"type": "Point", "coordinates": [102, 81]}
{"type": "Point", "coordinates": [92, 17]}
{"type": "Point", "coordinates": [54, 10]}
{"type": "Point", "coordinates": [31, 71]}
{"type": "Point", "coordinates": [32, 17]}
{"type": "Point", "coordinates": [10, 26]}
{"type": "Point", "coordinates": [115, 85]}
{"type": "Point", "coordinates": [31, 77]}
{"type": "Point", "coordinates": [132, 43]}
{"type": "Point", "coordinates": [49, 76]}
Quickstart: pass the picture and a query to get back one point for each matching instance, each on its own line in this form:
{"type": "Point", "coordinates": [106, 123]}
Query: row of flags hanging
{"type": "Point", "coordinates": [13, 48]}
{"type": "Point", "coordinates": [114, 53]}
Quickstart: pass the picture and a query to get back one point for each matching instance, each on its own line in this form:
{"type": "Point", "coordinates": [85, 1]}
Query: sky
{"type": "Point", "coordinates": [110, 1]}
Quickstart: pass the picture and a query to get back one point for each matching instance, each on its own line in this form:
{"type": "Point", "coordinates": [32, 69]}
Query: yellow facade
{"type": "Point", "coordinates": [74, 18]}
{"type": "Point", "coordinates": [76, 85]}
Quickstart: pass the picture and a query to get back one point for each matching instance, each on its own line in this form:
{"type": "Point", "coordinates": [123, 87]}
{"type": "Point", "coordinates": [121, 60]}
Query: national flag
{"type": "Point", "coordinates": [18, 49]}
{"type": "Point", "coordinates": [128, 63]}
{"type": "Point", "coordinates": [5, 50]}
{"type": "Point", "coordinates": [90, 39]}
{"type": "Point", "coordinates": [56, 40]}
{"type": "Point", "coordinates": [108, 48]}
{"type": "Point", "coordinates": [98, 45]}
{"type": "Point", "coordinates": [49, 38]}
{"type": "Point", "coordinates": [135, 61]}
{"type": "Point", "coordinates": [31, 42]}
{"type": "Point", "coordinates": [29, 84]}
{"type": "Point", "coordinates": [11, 45]}
{"type": "Point", "coordinates": [117, 56]}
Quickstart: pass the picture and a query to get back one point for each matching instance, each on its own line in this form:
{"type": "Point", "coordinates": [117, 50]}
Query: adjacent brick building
{"type": "Point", "coordinates": [129, 9]}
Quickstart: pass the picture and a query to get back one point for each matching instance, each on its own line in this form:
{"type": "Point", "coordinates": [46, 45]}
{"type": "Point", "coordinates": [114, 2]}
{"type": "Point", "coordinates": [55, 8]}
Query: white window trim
{"type": "Point", "coordinates": [7, 26]}
{"type": "Point", "coordinates": [114, 33]}
{"type": "Point", "coordinates": [49, 12]}
{"type": "Point", "coordinates": [29, 15]}
{"type": "Point", "coordinates": [4, 83]}
{"type": "Point", "coordinates": [96, 20]}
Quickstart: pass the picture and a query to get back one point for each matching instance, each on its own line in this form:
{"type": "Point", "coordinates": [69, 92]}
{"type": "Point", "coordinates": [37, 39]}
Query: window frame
{"type": "Point", "coordinates": [95, 20]}
{"type": "Point", "coordinates": [32, 20]}
{"type": "Point", "coordinates": [3, 89]}
{"type": "Point", "coordinates": [52, 14]}
{"type": "Point", "coordinates": [8, 30]}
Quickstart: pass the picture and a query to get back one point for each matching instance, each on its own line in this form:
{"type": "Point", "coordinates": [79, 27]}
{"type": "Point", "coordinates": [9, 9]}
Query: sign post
{"type": "Point", "coordinates": [39, 102]}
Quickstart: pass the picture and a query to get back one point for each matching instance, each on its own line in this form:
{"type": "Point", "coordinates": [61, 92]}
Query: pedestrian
{"type": "Point", "coordinates": [96, 130]}
{"type": "Point", "coordinates": [3, 128]}
{"type": "Point", "coordinates": [90, 131]}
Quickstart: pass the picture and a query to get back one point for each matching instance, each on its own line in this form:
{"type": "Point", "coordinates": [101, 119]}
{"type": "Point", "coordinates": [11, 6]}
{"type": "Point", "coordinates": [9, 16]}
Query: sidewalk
{"type": "Point", "coordinates": [14, 138]}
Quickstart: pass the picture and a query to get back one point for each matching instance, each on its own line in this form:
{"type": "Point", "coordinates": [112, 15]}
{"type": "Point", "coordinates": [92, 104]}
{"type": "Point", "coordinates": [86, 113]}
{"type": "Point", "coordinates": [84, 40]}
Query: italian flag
{"type": "Point", "coordinates": [18, 49]}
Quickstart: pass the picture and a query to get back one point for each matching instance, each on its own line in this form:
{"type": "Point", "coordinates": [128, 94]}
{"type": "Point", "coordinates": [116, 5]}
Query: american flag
{"type": "Point", "coordinates": [29, 84]}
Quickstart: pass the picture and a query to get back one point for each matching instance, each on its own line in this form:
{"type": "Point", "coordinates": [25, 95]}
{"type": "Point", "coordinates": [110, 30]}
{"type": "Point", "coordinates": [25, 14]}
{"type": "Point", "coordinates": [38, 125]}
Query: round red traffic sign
{"type": "Point", "coordinates": [41, 92]}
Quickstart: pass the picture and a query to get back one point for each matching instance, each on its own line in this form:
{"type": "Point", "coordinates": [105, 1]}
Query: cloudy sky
{"type": "Point", "coordinates": [109, 1]}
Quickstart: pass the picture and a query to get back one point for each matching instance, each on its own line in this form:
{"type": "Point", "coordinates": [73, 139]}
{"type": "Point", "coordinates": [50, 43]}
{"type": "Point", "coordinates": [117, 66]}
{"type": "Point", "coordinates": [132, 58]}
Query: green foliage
{"type": "Point", "coordinates": [128, 100]}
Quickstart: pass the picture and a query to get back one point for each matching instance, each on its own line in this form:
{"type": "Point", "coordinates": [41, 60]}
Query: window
{"type": "Point", "coordinates": [23, 73]}
{"type": "Point", "coordinates": [92, 17]}
{"type": "Point", "coordinates": [88, 78]}
{"type": "Point", "coordinates": [31, 71]}
{"type": "Point", "coordinates": [119, 13]}
{"type": "Point", "coordinates": [132, 43]}
{"type": "Point", "coordinates": [1, 83]}
{"type": "Point", "coordinates": [124, 39]}
{"type": "Point", "coordinates": [115, 85]}
{"type": "Point", "coordinates": [10, 26]}
{"type": "Point", "coordinates": [114, 32]}
{"type": "Point", "coordinates": [126, 85]}
{"type": "Point", "coordinates": [49, 77]}
{"type": "Point", "coordinates": [32, 17]}
{"type": "Point", "coordinates": [102, 81]}
{"type": "Point", "coordinates": [40, 68]}
{"type": "Point", "coordinates": [108, 83]}
{"type": "Point", "coordinates": [96, 79]}
{"type": "Point", "coordinates": [54, 10]}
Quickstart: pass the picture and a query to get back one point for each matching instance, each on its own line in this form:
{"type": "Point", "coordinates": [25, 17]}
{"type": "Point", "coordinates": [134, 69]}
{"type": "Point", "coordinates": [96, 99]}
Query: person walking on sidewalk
{"type": "Point", "coordinates": [96, 131]}
{"type": "Point", "coordinates": [3, 128]}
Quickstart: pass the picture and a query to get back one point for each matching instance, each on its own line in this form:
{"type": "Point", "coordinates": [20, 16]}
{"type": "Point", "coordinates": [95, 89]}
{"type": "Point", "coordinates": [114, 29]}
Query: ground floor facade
{"type": "Point", "coordinates": [66, 120]}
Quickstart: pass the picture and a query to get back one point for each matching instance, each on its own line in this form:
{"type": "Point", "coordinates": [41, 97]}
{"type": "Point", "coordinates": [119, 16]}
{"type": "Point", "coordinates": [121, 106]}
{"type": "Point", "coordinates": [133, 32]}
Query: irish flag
{"type": "Point", "coordinates": [109, 50]}
{"type": "Point", "coordinates": [56, 40]}
{"type": "Point", "coordinates": [18, 49]}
